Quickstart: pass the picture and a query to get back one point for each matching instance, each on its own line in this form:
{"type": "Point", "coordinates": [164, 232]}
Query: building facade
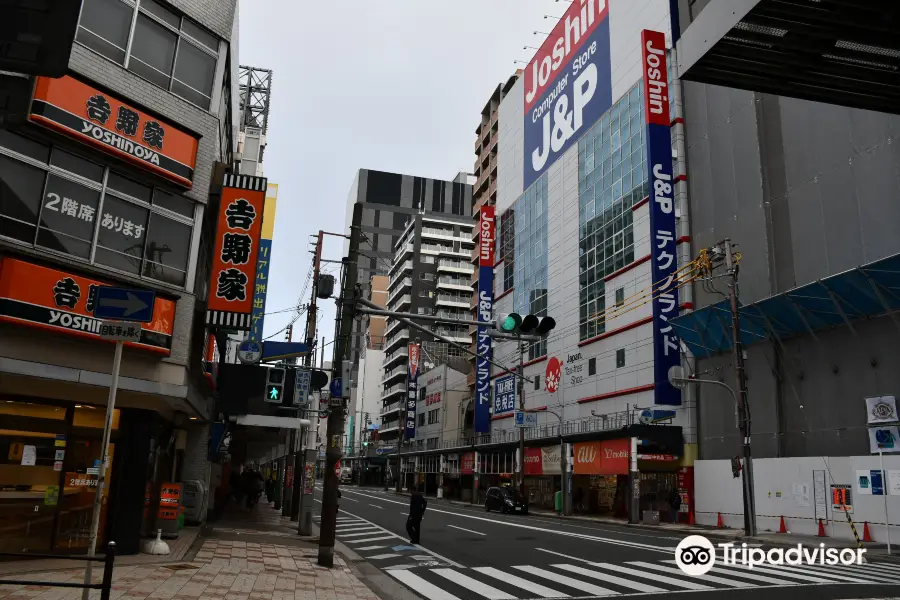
{"type": "Point", "coordinates": [108, 184]}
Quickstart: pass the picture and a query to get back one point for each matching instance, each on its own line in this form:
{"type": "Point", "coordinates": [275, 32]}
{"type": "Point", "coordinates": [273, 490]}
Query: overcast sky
{"type": "Point", "coordinates": [393, 85]}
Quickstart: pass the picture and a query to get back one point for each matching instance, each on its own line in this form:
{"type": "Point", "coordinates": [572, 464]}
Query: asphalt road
{"type": "Point", "coordinates": [467, 553]}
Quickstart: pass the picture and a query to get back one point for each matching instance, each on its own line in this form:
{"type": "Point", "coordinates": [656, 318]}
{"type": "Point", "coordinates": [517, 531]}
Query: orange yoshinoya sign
{"type": "Point", "coordinates": [233, 274]}
{"type": "Point", "coordinates": [42, 297]}
{"type": "Point", "coordinates": [99, 119]}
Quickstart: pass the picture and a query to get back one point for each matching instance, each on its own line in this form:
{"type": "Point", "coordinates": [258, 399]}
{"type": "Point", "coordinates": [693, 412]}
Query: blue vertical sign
{"type": "Point", "coordinates": [485, 312]}
{"type": "Point", "coordinates": [504, 394]}
{"type": "Point", "coordinates": [257, 316]}
{"type": "Point", "coordinates": [663, 238]}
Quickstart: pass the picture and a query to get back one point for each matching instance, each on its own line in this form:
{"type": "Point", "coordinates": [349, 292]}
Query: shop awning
{"type": "Point", "coordinates": [860, 293]}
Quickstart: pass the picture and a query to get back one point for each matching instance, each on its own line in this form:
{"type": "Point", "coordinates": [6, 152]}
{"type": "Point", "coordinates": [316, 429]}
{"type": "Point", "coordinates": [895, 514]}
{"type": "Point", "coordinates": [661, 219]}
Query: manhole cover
{"type": "Point", "coordinates": [181, 567]}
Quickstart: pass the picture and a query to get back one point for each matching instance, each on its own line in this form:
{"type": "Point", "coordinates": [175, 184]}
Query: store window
{"type": "Point", "coordinates": [530, 243]}
{"type": "Point", "coordinates": [167, 49]}
{"type": "Point", "coordinates": [620, 358]}
{"type": "Point", "coordinates": [592, 366]}
{"type": "Point", "coordinates": [64, 206]}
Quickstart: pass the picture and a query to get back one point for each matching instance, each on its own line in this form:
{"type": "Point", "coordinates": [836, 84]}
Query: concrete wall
{"type": "Point", "coordinates": [786, 488]}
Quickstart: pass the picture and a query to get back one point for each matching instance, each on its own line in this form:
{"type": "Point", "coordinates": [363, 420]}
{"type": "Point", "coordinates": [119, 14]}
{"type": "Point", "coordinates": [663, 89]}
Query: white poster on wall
{"type": "Point", "coordinates": [894, 482]}
{"type": "Point", "coordinates": [885, 438]}
{"type": "Point", "coordinates": [881, 409]}
{"type": "Point", "coordinates": [820, 495]}
{"type": "Point", "coordinates": [29, 455]}
{"type": "Point", "coordinates": [863, 482]}
{"type": "Point", "coordinates": [801, 494]}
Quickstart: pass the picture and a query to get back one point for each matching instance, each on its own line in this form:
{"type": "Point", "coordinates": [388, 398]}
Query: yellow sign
{"type": "Point", "coordinates": [51, 495]}
{"type": "Point", "coordinates": [15, 452]}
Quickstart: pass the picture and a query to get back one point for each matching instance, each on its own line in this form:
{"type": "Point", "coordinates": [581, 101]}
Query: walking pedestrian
{"type": "Point", "coordinates": [675, 503]}
{"type": "Point", "coordinates": [417, 505]}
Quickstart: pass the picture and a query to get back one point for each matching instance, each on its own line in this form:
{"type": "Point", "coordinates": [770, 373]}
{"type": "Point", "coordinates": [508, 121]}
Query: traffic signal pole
{"type": "Point", "coordinates": [521, 390]}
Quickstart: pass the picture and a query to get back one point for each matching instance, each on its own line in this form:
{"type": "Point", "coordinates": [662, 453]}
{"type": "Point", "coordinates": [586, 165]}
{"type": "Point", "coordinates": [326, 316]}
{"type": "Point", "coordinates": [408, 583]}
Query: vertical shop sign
{"type": "Point", "coordinates": [169, 502]}
{"type": "Point", "coordinates": [412, 392]}
{"type": "Point", "coordinates": [234, 261]}
{"type": "Point", "coordinates": [504, 394]}
{"type": "Point", "coordinates": [663, 253]}
{"type": "Point", "coordinates": [486, 241]}
{"type": "Point", "coordinates": [534, 461]}
{"type": "Point", "coordinates": [257, 316]}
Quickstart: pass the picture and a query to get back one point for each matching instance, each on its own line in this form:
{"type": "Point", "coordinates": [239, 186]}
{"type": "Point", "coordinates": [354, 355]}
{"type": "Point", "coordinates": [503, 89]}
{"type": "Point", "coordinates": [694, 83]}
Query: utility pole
{"type": "Point", "coordinates": [743, 407]}
{"type": "Point", "coordinates": [346, 306]}
{"type": "Point", "coordinates": [521, 390]}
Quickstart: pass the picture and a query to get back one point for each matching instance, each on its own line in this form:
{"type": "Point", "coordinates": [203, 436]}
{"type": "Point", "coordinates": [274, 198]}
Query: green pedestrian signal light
{"type": "Point", "coordinates": [275, 379]}
{"type": "Point", "coordinates": [272, 393]}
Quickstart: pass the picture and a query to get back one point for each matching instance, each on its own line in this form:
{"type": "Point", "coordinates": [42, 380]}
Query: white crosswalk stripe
{"type": "Point", "coordinates": [373, 539]}
{"type": "Point", "coordinates": [360, 533]}
{"type": "Point", "coordinates": [706, 578]}
{"type": "Point", "coordinates": [690, 585]}
{"type": "Point", "coordinates": [635, 585]}
{"type": "Point", "coordinates": [425, 588]}
{"type": "Point", "coordinates": [577, 584]}
{"type": "Point", "coordinates": [482, 589]}
{"type": "Point", "coordinates": [516, 581]}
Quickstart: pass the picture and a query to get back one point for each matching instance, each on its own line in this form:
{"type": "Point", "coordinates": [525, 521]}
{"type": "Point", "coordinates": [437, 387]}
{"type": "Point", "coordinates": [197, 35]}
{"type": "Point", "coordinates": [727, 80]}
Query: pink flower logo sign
{"type": "Point", "coordinates": [553, 374]}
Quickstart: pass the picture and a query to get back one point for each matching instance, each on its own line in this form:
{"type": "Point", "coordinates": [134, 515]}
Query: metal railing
{"type": "Point", "coordinates": [456, 264]}
{"type": "Point", "coordinates": [105, 586]}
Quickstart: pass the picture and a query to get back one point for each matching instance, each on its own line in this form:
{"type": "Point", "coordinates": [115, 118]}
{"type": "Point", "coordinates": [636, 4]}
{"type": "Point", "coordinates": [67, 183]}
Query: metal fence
{"type": "Point", "coordinates": [105, 586]}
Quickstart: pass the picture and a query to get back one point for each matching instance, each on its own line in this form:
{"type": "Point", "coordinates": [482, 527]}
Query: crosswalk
{"type": "Point", "coordinates": [592, 579]}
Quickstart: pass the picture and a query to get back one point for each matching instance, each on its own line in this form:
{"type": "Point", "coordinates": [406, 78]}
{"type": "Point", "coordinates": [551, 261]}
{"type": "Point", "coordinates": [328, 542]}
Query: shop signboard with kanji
{"type": "Point", "coordinates": [99, 119]}
{"type": "Point", "coordinates": [63, 302]}
{"type": "Point", "coordinates": [504, 394]}
{"type": "Point", "coordinates": [169, 502]}
{"type": "Point", "coordinates": [234, 261]}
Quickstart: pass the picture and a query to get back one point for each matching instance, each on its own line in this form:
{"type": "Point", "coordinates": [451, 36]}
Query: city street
{"type": "Point", "coordinates": [469, 554]}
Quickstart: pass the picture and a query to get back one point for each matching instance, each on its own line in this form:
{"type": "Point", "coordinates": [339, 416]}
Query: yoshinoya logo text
{"type": "Point", "coordinates": [115, 140]}
{"type": "Point", "coordinates": [695, 555]}
{"type": "Point", "coordinates": [567, 84]}
{"type": "Point", "coordinates": [76, 322]}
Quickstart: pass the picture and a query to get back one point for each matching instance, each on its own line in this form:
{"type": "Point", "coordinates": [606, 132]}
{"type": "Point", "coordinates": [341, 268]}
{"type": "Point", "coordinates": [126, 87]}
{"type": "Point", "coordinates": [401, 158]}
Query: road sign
{"type": "Point", "coordinates": [648, 416]}
{"type": "Point", "coordinates": [249, 352]}
{"type": "Point", "coordinates": [118, 304]}
{"type": "Point", "coordinates": [273, 351]}
{"type": "Point", "coordinates": [301, 386]}
{"type": "Point", "coordinates": [120, 331]}
{"type": "Point", "coordinates": [384, 450]}
{"type": "Point", "coordinates": [336, 387]}
{"type": "Point", "coordinates": [526, 419]}
{"type": "Point", "coordinates": [337, 469]}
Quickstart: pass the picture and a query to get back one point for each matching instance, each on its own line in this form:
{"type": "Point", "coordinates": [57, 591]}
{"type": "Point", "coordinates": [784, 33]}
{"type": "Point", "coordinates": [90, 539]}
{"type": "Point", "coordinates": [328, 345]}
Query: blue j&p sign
{"type": "Point", "coordinates": [119, 304]}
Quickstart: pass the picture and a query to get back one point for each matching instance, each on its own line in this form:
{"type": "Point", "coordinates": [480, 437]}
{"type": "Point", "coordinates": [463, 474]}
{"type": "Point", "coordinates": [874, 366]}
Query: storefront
{"type": "Point", "coordinates": [495, 469]}
{"type": "Point", "coordinates": [542, 480]}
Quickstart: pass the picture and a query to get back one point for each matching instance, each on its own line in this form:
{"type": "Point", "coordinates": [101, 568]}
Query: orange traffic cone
{"type": "Point", "coordinates": [719, 522]}
{"type": "Point", "coordinates": [867, 535]}
{"type": "Point", "coordinates": [691, 518]}
{"type": "Point", "coordinates": [782, 528]}
{"type": "Point", "coordinates": [821, 529]}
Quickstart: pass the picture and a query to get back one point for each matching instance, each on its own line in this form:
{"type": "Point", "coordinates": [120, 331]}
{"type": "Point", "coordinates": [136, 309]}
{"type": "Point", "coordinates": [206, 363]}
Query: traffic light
{"type": "Point", "coordinates": [514, 323]}
{"type": "Point", "coordinates": [275, 385]}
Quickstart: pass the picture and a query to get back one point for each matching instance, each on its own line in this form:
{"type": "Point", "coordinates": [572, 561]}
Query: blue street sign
{"type": "Point", "coordinates": [118, 304]}
{"type": "Point", "coordinates": [335, 387]}
{"type": "Point", "coordinates": [526, 419]}
{"type": "Point", "coordinates": [282, 350]}
{"type": "Point", "coordinates": [301, 386]}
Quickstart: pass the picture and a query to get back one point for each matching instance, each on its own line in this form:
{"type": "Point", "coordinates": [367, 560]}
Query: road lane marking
{"type": "Point", "coordinates": [361, 533]}
{"type": "Point", "coordinates": [575, 584]}
{"type": "Point", "coordinates": [429, 590]}
{"type": "Point", "coordinates": [634, 585]}
{"type": "Point", "coordinates": [665, 550]}
{"type": "Point", "coordinates": [473, 585]}
{"type": "Point", "coordinates": [376, 506]}
{"type": "Point", "coordinates": [383, 556]}
{"type": "Point", "coordinates": [373, 539]}
{"type": "Point", "coordinates": [674, 571]}
{"type": "Point", "coordinates": [370, 548]}
{"type": "Point", "coordinates": [469, 530]}
{"type": "Point", "coordinates": [516, 581]}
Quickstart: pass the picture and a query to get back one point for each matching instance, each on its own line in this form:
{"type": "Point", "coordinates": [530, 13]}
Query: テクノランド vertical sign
{"type": "Point", "coordinates": [568, 85]}
{"type": "Point", "coordinates": [412, 392]}
{"type": "Point", "coordinates": [234, 261]}
{"type": "Point", "coordinates": [663, 238]}
{"type": "Point", "coordinates": [486, 243]}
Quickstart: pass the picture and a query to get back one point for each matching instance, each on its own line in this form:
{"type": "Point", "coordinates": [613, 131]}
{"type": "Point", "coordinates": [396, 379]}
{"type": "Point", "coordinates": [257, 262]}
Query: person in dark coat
{"type": "Point", "coordinates": [675, 503]}
{"type": "Point", "coordinates": [417, 505]}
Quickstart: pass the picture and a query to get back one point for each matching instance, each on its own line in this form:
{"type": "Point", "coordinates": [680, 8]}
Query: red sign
{"type": "Point", "coordinates": [534, 461]}
{"type": "Point", "coordinates": [337, 469]}
{"type": "Point", "coordinates": [658, 457]}
{"type": "Point", "coordinates": [561, 46]}
{"type": "Point", "coordinates": [100, 120]}
{"type": "Point", "coordinates": [169, 501]}
{"type": "Point", "coordinates": [233, 274]}
{"type": "Point", "coordinates": [467, 463]}
{"type": "Point", "coordinates": [609, 457]}
{"type": "Point", "coordinates": [432, 398]}
{"type": "Point", "coordinates": [487, 237]}
{"type": "Point", "coordinates": [413, 361]}
{"type": "Point", "coordinates": [686, 490]}
{"type": "Point", "coordinates": [553, 374]}
{"type": "Point", "coordinates": [59, 301]}
{"type": "Point", "coordinates": [656, 78]}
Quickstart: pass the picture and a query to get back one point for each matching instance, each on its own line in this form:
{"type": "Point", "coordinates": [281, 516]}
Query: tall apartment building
{"type": "Point", "coordinates": [113, 181]}
{"type": "Point", "coordinates": [487, 138]}
{"type": "Point", "coordinates": [430, 276]}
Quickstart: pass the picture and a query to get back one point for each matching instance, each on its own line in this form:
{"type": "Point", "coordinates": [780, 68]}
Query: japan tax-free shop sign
{"type": "Point", "coordinates": [101, 120]}
{"type": "Point", "coordinates": [54, 300]}
{"type": "Point", "coordinates": [567, 85]}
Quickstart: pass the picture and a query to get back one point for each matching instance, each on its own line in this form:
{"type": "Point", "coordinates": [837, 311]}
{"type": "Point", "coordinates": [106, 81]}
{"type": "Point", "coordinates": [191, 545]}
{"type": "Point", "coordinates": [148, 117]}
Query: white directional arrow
{"type": "Point", "coordinates": [132, 304]}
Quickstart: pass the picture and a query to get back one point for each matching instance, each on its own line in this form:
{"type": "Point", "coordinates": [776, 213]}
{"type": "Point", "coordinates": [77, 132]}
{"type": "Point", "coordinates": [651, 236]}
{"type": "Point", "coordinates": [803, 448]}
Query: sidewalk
{"type": "Point", "coordinates": [244, 556]}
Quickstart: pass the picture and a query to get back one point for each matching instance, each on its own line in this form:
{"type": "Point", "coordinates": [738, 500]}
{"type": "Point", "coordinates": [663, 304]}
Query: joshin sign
{"type": "Point", "coordinates": [485, 310]}
{"type": "Point", "coordinates": [567, 84]}
{"type": "Point", "coordinates": [663, 254]}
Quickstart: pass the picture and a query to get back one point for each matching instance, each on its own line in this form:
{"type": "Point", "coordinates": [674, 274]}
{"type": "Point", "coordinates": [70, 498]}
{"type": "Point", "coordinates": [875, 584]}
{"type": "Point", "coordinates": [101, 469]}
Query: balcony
{"type": "Point", "coordinates": [401, 370]}
{"type": "Point", "coordinates": [444, 234]}
{"type": "Point", "coordinates": [457, 335]}
{"type": "Point", "coordinates": [492, 190]}
{"type": "Point", "coordinates": [404, 283]}
{"type": "Point", "coordinates": [392, 358]}
{"type": "Point", "coordinates": [453, 283]}
{"type": "Point", "coordinates": [399, 275]}
{"type": "Point", "coordinates": [398, 338]}
{"type": "Point", "coordinates": [401, 300]}
{"type": "Point", "coordinates": [390, 408]}
{"type": "Point", "coordinates": [455, 266]}
{"type": "Point", "coordinates": [389, 432]}
{"type": "Point", "coordinates": [394, 389]}
{"type": "Point", "coordinates": [455, 301]}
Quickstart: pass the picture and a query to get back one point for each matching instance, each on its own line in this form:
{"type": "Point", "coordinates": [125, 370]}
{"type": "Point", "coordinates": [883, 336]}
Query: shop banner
{"type": "Point", "coordinates": [568, 85]}
{"type": "Point", "coordinates": [467, 463]}
{"type": "Point", "coordinates": [169, 502]}
{"type": "Point", "coordinates": [663, 253]}
{"type": "Point", "coordinates": [533, 461]}
{"type": "Point", "coordinates": [550, 459]}
{"type": "Point", "coordinates": [234, 260]}
{"type": "Point", "coordinates": [101, 120]}
{"type": "Point", "coordinates": [412, 392]}
{"type": "Point", "coordinates": [486, 241]}
{"type": "Point", "coordinates": [63, 302]}
{"type": "Point", "coordinates": [609, 457]}
{"type": "Point", "coordinates": [257, 316]}
{"type": "Point", "coordinates": [504, 394]}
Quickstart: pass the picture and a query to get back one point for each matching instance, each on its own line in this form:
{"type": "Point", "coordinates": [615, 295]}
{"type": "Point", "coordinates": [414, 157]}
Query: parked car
{"type": "Point", "coordinates": [346, 475]}
{"type": "Point", "coordinates": [505, 500]}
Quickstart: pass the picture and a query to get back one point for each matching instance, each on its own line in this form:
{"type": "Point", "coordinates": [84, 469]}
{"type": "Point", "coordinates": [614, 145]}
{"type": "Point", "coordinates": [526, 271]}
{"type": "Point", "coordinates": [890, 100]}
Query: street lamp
{"type": "Point", "coordinates": [679, 381]}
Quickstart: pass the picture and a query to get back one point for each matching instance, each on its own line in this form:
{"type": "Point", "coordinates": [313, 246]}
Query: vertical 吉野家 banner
{"type": "Point", "coordinates": [486, 243]}
{"type": "Point", "coordinates": [234, 260]}
{"type": "Point", "coordinates": [663, 236]}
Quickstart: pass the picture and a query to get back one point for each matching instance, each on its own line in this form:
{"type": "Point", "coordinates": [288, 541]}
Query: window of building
{"type": "Point", "coordinates": [620, 296]}
{"type": "Point", "coordinates": [421, 420]}
{"type": "Point", "coordinates": [620, 358]}
{"type": "Point", "coordinates": [537, 383]}
{"type": "Point", "coordinates": [167, 49]}
{"type": "Point", "coordinates": [592, 366]}
{"type": "Point", "coordinates": [434, 416]}
{"type": "Point", "coordinates": [64, 206]}
{"type": "Point", "coordinates": [429, 260]}
{"type": "Point", "coordinates": [530, 279]}
{"type": "Point", "coordinates": [432, 443]}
